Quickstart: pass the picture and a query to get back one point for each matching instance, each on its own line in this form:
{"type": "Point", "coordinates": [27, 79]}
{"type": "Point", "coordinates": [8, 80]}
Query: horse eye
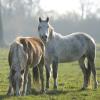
{"type": "Point", "coordinates": [45, 36]}
{"type": "Point", "coordinates": [22, 71]}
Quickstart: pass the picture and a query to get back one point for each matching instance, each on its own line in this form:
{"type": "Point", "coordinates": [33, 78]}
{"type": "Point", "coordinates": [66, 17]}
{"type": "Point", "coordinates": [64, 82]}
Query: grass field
{"type": "Point", "coordinates": [69, 82]}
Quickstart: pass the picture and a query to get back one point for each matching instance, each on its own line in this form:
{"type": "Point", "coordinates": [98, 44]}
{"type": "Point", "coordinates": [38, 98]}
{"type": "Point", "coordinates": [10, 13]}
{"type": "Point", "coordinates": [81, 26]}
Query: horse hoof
{"type": "Point", "coordinates": [47, 87]}
{"type": "Point", "coordinates": [9, 94]}
{"type": "Point", "coordinates": [23, 94]}
{"type": "Point", "coordinates": [43, 91]}
{"type": "Point", "coordinates": [28, 92]}
{"type": "Point", "coordinates": [46, 90]}
{"type": "Point", "coordinates": [18, 95]}
{"type": "Point", "coordinates": [96, 85]}
{"type": "Point", "coordinates": [83, 88]}
{"type": "Point", "coordinates": [55, 87]}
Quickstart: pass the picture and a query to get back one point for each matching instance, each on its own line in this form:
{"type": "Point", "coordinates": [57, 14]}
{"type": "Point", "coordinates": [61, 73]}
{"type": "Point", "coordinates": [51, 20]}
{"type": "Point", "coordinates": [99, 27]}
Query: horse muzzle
{"type": "Point", "coordinates": [44, 38]}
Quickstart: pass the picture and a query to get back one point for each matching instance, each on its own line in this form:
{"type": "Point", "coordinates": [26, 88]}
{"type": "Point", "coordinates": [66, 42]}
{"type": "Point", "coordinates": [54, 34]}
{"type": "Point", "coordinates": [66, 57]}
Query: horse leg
{"type": "Point", "coordinates": [92, 64]}
{"type": "Point", "coordinates": [47, 66]}
{"type": "Point", "coordinates": [10, 91]}
{"type": "Point", "coordinates": [88, 72]}
{"type": "Point", "coordinates": [55, 70]}
{"type": "Point", "coordinates": [25, 82]}
{"type": "Point", "coordinates": [35, 74]}
{"type": "Point", "coordinates": [82, 65]}
{"type": "Point", "coordinates": [41, 78]}
{"type": "Point", "coordinates": [25, 85]}
{"type": "Point", "coordinates": [41, 74]}
{"type": "Point", "coordinates": [29, 84]}
{"type": "Point", "coordinates": [91, 58]}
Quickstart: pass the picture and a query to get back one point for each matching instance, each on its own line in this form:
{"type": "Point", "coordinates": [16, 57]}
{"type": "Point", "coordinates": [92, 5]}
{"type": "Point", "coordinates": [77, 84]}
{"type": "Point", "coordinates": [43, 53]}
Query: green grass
{"type": "Point", "coordinates": [70, 80]}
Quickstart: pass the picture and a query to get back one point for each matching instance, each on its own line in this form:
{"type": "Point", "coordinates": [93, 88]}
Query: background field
{"type": "Point", "coordinates": [69, 82]}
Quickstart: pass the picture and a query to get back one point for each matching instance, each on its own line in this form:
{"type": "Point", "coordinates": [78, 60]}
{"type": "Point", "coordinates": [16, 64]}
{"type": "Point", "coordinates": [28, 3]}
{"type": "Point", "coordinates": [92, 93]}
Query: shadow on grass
{"type": "Point", "coordinates": [49, 92]}
{"type": "Point", "coordinates": [59, 92]}
{"type": "Point", "coordinates": [67, 91]}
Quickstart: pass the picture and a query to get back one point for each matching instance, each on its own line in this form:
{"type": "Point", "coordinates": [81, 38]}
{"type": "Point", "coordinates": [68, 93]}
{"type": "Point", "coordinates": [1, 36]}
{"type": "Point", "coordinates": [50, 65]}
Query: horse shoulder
{"type": "Point", "coordinates": [10, 53]}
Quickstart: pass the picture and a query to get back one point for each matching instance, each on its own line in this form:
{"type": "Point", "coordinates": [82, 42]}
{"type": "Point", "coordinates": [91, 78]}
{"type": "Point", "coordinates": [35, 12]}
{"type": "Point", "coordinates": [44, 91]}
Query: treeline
{"type": "Point", "coordinates": [20, 17]}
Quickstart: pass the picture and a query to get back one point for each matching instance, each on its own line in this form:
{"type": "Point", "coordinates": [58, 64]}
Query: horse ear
{"type": "Point", "coordinates": [40, 19]}
{"type": "Point", "coordinates": [47, 19]}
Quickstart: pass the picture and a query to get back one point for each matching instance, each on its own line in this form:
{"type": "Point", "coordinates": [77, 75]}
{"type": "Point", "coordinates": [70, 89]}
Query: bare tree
{"type": "Point", "coordinates": [85, 7]}
{"type": "Point", "coordinates": [1, 27]}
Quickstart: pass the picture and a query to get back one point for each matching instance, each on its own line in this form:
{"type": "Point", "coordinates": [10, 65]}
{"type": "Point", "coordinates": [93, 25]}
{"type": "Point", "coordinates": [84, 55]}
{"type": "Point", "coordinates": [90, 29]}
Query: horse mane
{"type": "Point", "coordinates": [51, 26]}
{"type": "Point", "coordinates": [51, 29]}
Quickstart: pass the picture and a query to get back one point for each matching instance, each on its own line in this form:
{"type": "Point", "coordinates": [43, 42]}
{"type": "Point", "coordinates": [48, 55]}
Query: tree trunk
{"type": "Point", "coordinates": [2, 44]}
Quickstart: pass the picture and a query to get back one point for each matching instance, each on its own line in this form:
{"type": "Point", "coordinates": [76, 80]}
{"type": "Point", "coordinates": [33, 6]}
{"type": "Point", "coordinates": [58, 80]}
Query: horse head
{"type": "Point", "coordinates": [45, 30]}
{"type": "Point", "coordinates": [18, 62]}
{"type": "Point", "coordinates": [16, 79]}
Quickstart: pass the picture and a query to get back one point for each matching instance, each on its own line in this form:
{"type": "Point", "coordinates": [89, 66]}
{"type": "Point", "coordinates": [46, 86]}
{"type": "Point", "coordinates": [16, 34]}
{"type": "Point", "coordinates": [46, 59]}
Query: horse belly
{"type": "Point", "coordinates": [68, 59]}
{"type": "Point", "coordinates": [69, 56]}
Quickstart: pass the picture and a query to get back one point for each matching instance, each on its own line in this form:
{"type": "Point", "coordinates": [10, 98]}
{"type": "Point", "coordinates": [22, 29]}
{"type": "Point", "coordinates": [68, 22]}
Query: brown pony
{"type": "Point", "coordinates": [25, 52]}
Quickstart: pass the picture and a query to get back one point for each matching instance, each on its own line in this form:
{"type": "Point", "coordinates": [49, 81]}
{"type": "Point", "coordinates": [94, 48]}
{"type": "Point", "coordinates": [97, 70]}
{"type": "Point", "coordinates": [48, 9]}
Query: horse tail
{"type": "Point", "coordinates": [36, 77]}
{"type": "Point", "coordinates": [91, 62]}
{"type": "Point", "coordinates": [88, 71]}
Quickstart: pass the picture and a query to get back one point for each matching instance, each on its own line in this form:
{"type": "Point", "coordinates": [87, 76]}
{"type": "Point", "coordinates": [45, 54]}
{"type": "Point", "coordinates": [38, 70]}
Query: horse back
{"type": "Point", "coordinates": [34, 47]}
{"type": "Point", "coordinates": [36, 42]}
{"type": "Point", "coordinates": [74, 46]}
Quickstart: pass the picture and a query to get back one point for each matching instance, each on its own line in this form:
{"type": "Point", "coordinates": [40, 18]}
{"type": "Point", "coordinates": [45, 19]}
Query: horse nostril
{"type": "Point", "coordinates": [45, 37]}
